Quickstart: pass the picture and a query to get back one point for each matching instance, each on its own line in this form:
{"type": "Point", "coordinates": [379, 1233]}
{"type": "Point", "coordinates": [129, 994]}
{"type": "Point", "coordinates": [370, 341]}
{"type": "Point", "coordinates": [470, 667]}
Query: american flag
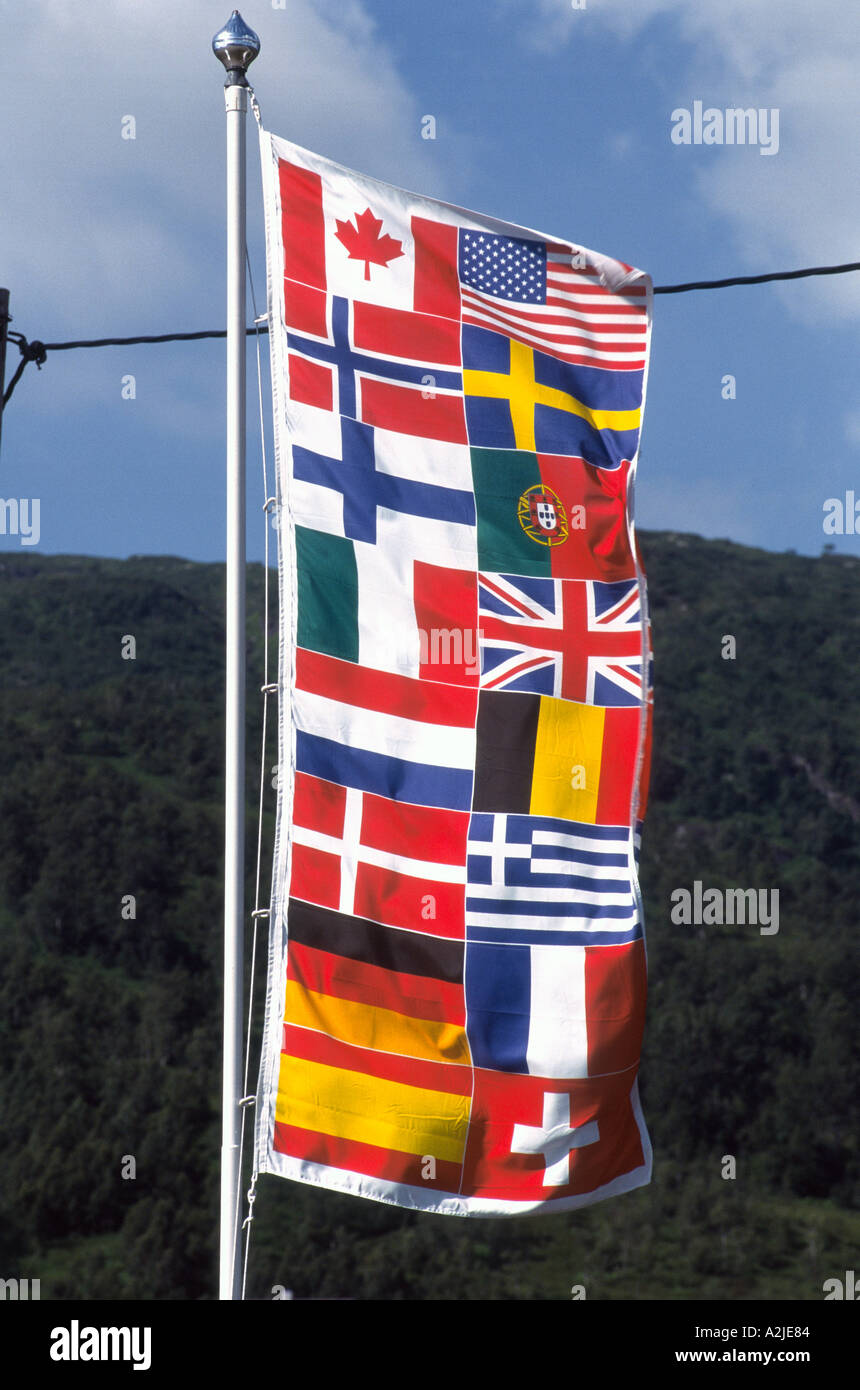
{"type": "Point", "coordinates": [543, 294]}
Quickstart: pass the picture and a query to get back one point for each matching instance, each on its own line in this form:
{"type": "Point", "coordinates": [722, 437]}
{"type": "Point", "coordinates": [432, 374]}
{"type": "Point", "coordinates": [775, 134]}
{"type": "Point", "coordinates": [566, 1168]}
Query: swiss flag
{"type": "Point", "coordinates": [367, 856]}
{"type": "Point", "coordinates": [533, 1138]}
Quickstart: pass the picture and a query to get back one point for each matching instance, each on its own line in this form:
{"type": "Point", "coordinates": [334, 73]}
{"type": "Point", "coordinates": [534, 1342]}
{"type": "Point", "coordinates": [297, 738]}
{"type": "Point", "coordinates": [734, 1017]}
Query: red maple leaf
{"type": "Point", "coordinates": [364, 243]}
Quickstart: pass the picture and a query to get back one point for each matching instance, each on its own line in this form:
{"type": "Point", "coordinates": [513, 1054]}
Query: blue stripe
{"type": "Point", "coordinates": [579, 856]}
{"type": "Point", "coordinates": [559, 432]}
{"type": "Point", "coordinates": [524, 936]}
{"type": "Point", "coordinates": [594, 386]}
{"type": "Point", "coordinates": [364, 488]}
{"type": "Point", "coordinates": [509, 907]}
{"type": "Point", "coordinates": [521, 828]}
{"type": "Point", "coordinates": [341, 355]}
{"type": "Point", "coordinates": [479, 868]}
{"type": "Point", "coordinates": [429, 500]}
{"type": "Point", "coordinates": [608, 692]}
{"type": "Point", "coordinates": [520, 874]}
{"type": "Point", "coordinates": [419, 783]}
{"type": "Point", "coordinates": [498, 1004]}
{"type": "Point", "coordinates": [607, 595]}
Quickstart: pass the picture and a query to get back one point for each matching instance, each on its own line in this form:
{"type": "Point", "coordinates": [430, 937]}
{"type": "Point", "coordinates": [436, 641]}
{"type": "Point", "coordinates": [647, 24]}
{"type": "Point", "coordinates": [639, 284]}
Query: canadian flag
{"type": "Point", "coordinates": [366, 240]}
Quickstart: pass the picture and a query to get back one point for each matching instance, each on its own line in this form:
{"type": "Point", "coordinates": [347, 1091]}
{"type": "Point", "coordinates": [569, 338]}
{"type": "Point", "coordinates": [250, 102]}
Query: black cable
{"type": "Point", "coordinates": [36, 352]}
{"type": "Point", "coordinates": [30, 352]}
{"type": "Point", "coordinates": [148, 338]}
{"type": "Point", "coordinates": [757, 279]}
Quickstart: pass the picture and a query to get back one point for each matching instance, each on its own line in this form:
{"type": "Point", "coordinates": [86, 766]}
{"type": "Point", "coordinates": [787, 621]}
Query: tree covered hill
{"type": "Point", "coordinates": [110, 789]}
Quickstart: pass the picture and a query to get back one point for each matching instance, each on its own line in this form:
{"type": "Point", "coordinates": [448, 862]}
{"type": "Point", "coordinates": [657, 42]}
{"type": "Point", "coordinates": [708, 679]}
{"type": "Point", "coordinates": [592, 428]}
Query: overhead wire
{"type": "Point", "coordinates": [37, 351]}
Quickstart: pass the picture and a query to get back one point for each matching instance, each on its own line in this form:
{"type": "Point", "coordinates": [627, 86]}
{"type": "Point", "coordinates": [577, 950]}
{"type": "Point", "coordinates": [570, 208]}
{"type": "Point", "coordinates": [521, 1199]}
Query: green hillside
{"type": "Point", "coordinates": [111, 785]}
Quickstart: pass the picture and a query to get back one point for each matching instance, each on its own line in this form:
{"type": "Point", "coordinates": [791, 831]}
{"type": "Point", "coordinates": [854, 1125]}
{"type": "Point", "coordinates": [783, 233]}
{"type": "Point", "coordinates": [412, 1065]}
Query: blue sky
{"type": "Point", "coordinates": [554, 117]}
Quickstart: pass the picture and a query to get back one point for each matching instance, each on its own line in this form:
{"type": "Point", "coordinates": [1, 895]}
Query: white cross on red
{"type": "Point", "coordinates": [555, 1138]}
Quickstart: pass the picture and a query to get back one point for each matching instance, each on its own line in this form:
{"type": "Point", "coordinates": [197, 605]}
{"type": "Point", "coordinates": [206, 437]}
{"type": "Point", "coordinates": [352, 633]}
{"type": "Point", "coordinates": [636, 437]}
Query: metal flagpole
{"type": "Point", "coordinates": [236, 46]}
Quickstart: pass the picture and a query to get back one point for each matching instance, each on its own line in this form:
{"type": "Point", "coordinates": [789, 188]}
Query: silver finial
{"type": "Point", "coordinates": [236, 46]}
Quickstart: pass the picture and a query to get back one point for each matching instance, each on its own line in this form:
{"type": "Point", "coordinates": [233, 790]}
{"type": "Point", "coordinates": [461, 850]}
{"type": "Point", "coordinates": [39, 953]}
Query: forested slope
{"type": "Point", "coordinates": [110, 786]}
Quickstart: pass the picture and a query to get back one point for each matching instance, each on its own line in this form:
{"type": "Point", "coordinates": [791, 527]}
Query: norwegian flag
{"type": "Point", "coordinates": [578, 639]}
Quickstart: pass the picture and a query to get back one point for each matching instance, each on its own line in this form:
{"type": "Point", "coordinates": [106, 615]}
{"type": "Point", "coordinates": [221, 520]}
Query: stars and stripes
{"type": "Point", "coordinates": [547, 296]}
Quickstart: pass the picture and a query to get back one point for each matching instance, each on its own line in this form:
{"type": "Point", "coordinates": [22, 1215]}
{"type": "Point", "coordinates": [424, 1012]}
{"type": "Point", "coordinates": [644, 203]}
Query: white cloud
{"type": "Point", "coordinates": [800, 206]}
{"type": "Point", "coordinates": [105, 236]}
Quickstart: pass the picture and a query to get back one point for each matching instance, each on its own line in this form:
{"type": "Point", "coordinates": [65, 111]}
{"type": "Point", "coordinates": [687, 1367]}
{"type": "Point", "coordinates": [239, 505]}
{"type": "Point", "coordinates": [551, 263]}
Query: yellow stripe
{"type": "Point", "coordinates": [568, 752]}
{"type": "Point", "coordinates": [370, 1110]}
{"type": "Point", "coordinates": [376, 1028]}
{"type": "Point", "coordinates": [520, 389]}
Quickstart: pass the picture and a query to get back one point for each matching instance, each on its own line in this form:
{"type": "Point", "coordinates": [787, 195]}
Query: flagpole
{"type": "Point", "coordinates": [236, 46]}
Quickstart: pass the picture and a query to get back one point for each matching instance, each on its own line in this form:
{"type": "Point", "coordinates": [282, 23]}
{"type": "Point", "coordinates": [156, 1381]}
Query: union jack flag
{"type": "Point", "coordinates": [578, 639]}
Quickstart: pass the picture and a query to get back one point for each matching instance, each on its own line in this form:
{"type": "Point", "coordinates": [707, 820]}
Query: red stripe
{"type": "Point", "coordinates": [603, 364]}
{"type": "Point", "coordinates": [572, 314]}
{"type": "Point", "coordinates": [579, 329]}
{"type": "Point", "coordinates": [615, 613]}
{"type": "Point", "coordinates": [566, 248]}
{"type": "Point", "coordinates": [563, 273]}
{"type": "Point", "coordinates": [319, 805]}
{"type": "Point", "coordinates": [418, 904]}
{"type": "Point", "coordinates": [446, 612]}
{"type": "Point", "coordinates": [623, 671]}
{"type": "Point", "coordinates": [413, 996]}
{"type": "Point", "coordinates": [437, 285]}
{"type": "Point", "coordinates": [512, 599]}
{"type": "Point", "coordinates": [305, 308]}
{"type": "Point", "coordinates": [615, 992]}
{"type": "Point", "coordinates": [618, 759]}
{"type": "Point", "coordinates": [310, 382]}
{"type": "Point", "coordinates": [404, 409]}
{"type": "Point", "coordinates": [604, 311]}
{"type": "Point", "coordinates": [517, 671]}
{"type": "Point", "coordinates": [354, 1157]}
{"type": "Point", "coordinates": [311, 1046]}
{"type": "Point", "coordinates": [606, 338]}
{"type": "Point", "coordinates": [431, 702]}
{"type": "Point", "coordinates": [302, 224]}
{"type": "Point", "coordinates": [315, 876]}
{"type": "Point", "coordinates": [398, 333]}
{"type": "Point", "coordinates": [419, 832]}
{"type": "Point", "coordinates": [607, 360]}
{"type": "Point", "coordinates": [588, 315]}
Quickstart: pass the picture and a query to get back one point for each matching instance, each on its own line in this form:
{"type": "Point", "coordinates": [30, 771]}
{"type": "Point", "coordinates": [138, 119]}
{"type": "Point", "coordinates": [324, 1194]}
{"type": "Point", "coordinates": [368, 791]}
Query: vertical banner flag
{"type": "Point", "coordinates": [456, 984]}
